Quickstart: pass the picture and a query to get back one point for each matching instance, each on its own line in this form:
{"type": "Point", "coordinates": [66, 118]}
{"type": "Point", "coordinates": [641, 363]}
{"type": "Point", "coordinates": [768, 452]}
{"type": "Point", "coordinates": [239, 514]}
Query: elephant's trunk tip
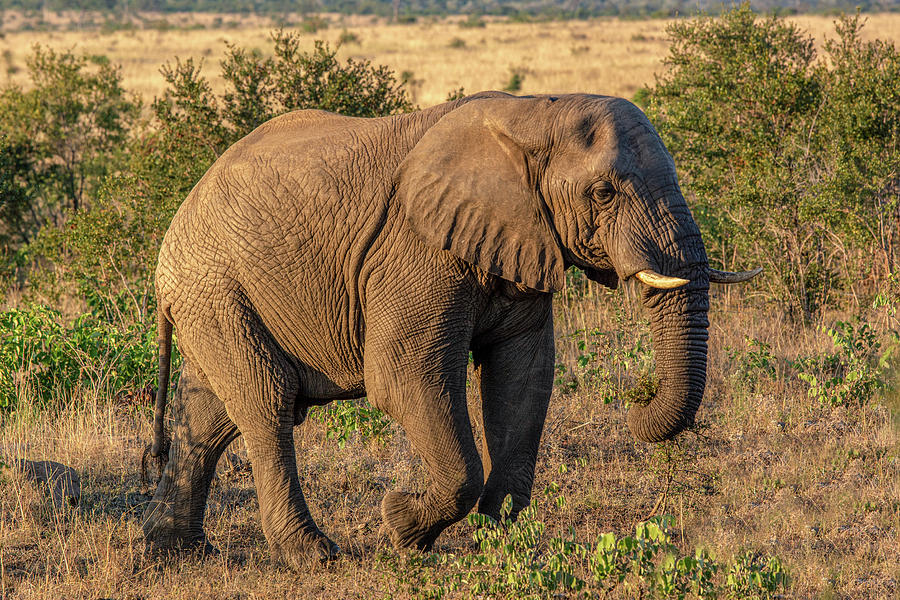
{"type": "Point", "coordinates": [647, 429]}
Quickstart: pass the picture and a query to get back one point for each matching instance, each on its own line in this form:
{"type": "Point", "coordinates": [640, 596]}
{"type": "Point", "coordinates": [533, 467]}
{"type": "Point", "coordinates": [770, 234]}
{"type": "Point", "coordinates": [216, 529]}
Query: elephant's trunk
{"type": "Point", "coordinates": [679, 325]}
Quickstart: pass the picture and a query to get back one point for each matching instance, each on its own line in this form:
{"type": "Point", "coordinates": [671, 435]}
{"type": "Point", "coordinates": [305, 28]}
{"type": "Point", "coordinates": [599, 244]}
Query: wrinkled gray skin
{"type": "Point", "coordinates": [326, 257]}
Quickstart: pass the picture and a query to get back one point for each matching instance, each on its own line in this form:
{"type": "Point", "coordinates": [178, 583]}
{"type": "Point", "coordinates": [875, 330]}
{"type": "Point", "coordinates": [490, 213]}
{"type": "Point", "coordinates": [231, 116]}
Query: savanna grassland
{"type": "Point", "coordinates": [792, 468]}
{"type": "Point", "coordinates": [770, 471]}
{"type": "Point", "coordinates": [604, 56]}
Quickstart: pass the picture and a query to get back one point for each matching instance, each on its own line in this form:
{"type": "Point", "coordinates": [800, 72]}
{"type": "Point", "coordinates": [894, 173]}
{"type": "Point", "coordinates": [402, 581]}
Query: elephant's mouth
{"type": "Point", "coordinates": [607, 277]}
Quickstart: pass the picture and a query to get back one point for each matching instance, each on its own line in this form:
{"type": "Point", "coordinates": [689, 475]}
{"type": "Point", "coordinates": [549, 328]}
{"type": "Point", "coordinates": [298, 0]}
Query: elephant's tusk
{"type": "Point", "coordinates": [716, 276]}
{"type": "Point", "coordinates": [663, 282]}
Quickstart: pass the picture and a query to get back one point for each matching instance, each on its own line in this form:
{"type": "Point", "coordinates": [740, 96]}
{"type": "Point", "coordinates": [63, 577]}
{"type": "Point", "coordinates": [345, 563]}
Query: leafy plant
{"type": "Point", "coordinates": [853, 373]}
{"type": "Point", "coordinates": [792, 159]}
{"type": "Point", "coordinates": [48, 360]}
{"type": "Point", "coordinates": [753, 365]}
{"type": "Point", "coordinates": [473, 21]}
{"type": "Point", "coordinates": [348, 37]}
{"type": "Point", "coordinates": [60, 138]}
{"type": "Point", "coordinates": [344, 418]}
{"type": "Point", "coordinates": [514, 558]}
{"type": "Point", "coordinates": [615, 363]}
{"type": "Point", "coordinates": [753, 576]}
{"type": "Point", "coordinates": [516, 78]}
{"type": "Point", "coordinates": [455, 94]}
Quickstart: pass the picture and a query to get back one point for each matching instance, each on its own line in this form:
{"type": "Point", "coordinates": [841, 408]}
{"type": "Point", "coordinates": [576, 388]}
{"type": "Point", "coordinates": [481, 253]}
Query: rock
{"type": "Point", "coordinates": [63, 481]}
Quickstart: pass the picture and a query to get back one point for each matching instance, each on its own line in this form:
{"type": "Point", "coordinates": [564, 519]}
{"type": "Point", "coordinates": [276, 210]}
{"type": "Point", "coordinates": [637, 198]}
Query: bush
{"type": "Point", "coordinates": [793, 163]}
{"type": "Point", "coordinates": [344, 418]}
{"type": "Point", "coordinates": [45, 360]}
{"type": "Point", "coordinates": [853, 374]}
{"type": "Point", "coordinates": [473, 21]}
{"type": "Point", "coordinates": [109, 251]}
{"type": "Point", "coordinates": [60, 138]}
{"type": "Point", "coordinates": [516, 78]}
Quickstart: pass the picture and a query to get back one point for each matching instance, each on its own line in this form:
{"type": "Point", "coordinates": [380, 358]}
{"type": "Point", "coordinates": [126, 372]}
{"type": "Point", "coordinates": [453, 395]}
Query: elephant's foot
{"type": "Point", "coordinates": [164, 547]}
{"type": "Point", "coordinates": [306, 550]}
{"type": "Point", "coordinates": [166, 534]}
{"type": "Point", "coordinates": [491, 504]}
{"type": "Point", "coordinates": [404, 519]}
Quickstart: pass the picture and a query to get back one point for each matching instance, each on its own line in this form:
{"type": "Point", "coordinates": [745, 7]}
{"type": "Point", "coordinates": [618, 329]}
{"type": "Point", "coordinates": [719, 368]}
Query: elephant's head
{"type": "Point", "coordinates": [524, 187]}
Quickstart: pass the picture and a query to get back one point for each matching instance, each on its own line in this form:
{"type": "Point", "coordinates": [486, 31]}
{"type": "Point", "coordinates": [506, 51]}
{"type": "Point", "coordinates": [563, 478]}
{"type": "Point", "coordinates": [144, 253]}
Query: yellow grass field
{"type": "Point", "coordinates": [605, 56]}
{"type": "Point", "coordinates": [770, 471]}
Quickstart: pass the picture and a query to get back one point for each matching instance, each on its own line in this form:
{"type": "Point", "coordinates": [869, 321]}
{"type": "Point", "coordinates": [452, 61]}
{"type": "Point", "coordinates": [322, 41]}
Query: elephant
{"type": "Point", "coordinates": [325, 257]}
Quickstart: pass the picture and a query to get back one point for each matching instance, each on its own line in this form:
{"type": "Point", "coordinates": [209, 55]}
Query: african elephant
{"type": "Point", "coordinates": [324, 257]}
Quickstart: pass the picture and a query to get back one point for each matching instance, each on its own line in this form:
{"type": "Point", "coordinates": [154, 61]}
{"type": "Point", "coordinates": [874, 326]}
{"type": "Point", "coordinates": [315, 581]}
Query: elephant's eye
{"type": "Point", "coordinates": [603, 192]}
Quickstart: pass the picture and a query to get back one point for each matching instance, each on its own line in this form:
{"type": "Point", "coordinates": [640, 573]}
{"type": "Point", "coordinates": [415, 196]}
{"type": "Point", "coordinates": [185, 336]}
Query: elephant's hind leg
{"type": "Point", "coordinates": [174, 518]}
{"type": "Point", "coordinates": [260, 389]}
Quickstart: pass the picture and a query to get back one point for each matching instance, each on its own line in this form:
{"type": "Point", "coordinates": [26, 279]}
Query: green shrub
{"type": "Point", "coordinates": [473, 21]}
{"type": "Point", "coordinates": [43, 359]}
{"type": "Point", "coordinates": [456, 94]}
{"type": "Point", "coordinates": [344, 418]}
{"type": "Point", "coordinates": [792, 160]}
{"type": "Point", "coordinates": [854, 373]}
{"type": "Point", "coordinates": [60, 138]}
{"type": "Point", "coordinates": [515, 559]}
{"type": "Point", "coordinates": [313, 24]}
{"type": "Point", "coordinates": [753, 366]}
{"type": "Point", "coordinates": [348, 37]}
{"type": "Point", "coordinates": [516, 78]}
{"type": "Point", "coordinates": [108, 252]}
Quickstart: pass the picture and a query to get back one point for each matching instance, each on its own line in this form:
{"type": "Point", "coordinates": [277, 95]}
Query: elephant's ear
{"type": "Point", "coordinates": [466, 188]}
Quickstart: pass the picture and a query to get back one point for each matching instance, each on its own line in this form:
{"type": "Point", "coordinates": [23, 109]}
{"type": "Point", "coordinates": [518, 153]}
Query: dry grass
{"type": "Point", "coordinates": [773, 471]}
{"type": "Point", "coordinates": [607, 56]}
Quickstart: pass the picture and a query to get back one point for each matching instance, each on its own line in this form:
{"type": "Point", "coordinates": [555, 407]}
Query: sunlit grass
{"type": "Point", "coordinates": [604, 56]}
{"type": "Point", "coordinates": [771, 470]}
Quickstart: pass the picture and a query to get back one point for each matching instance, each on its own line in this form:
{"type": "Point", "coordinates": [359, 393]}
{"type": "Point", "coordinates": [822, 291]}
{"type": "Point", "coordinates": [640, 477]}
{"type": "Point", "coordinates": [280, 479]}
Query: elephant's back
{"type": "Point", "coordinates": [282, 133]}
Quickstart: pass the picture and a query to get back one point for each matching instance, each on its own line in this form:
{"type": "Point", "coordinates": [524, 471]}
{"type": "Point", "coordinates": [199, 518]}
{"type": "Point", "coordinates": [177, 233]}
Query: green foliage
{"type": "Point", "coordinates": [516, 78]}
{"type": "Point", "coordinates": [343, 418]}
{"type": "Point", "coordinates": [473, 21]}
{"type": "Point", "coordinates": [108, 252]}
{"type": "Point", "coordinates": [46, 360]}
{"type": "Point", "coordinates": [60, 138]}
{"type": "Point", "coordinates": [888, 298]}
{"type": "Point", "coordinates": [792, 162]}
{"type": "Point", "coordinates": [853, 374]}
{"type": "Point", "coordinates": [318, 80]}
{"type": "Point", "coordinates": [753, 366]}
{"type": "Point", "coordinates": [348, 37]}
{"type": "Point", "coordinates": [516, 559]}
{"type": "Point", "coordinates": [752, 576]}
{"type": "Point", "coordinates": [313, 24]}
{"type": "Point", "coordinates": [456, 94]}
{"type": "Point", "coordinates": [615, 364]}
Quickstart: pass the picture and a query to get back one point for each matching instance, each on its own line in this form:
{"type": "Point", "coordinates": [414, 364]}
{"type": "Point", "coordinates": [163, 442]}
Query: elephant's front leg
{"type": "Point", "coordinates": [516, 382]}
{"type": "Point", "coordinates": [423, 387]}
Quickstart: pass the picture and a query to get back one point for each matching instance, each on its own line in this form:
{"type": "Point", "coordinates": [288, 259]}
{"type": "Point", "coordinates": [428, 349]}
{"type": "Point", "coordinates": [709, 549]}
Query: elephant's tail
{"type": "Point", "coordinates": [164, 333]}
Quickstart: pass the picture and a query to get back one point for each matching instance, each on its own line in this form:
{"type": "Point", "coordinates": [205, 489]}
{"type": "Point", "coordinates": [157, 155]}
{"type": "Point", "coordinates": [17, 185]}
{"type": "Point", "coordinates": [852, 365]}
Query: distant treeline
{"type": "Point", "coordinates": [517, 8]}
